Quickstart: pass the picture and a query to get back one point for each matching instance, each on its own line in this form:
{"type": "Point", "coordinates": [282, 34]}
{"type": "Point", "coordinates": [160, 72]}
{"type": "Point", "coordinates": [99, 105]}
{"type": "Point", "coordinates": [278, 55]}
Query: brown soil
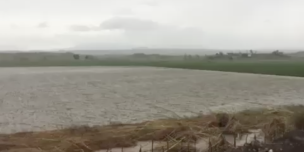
{"type": "Point", "coordinates": [274, 122]}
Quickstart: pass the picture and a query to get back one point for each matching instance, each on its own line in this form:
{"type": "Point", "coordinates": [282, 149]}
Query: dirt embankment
{"type": "Point", "coordinates": [273, 123]}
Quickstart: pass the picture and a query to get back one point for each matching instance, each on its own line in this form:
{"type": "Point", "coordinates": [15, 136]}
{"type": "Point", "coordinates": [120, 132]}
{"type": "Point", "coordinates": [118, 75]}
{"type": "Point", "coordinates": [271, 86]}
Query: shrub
{"type": "Point", "coordinates": [76, 56]}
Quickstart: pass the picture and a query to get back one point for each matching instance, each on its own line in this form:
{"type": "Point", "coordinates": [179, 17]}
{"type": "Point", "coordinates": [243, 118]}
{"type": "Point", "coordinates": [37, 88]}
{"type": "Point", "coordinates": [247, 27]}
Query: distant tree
{"type": "Point", "coordinates": [197, 56]}
{"type": "Point", "coordinates": [140, 55]}
{"type": "Point", "coordinates": [245, 55]}
{"type": "Point", "coordinates": [210, 57]}
{"type": "Point", "coordinates": [155, 55]}
{"type": "Point", "coordinates": [278, 53]}
{"type": "Point", "coordinates": [89, 57]}
{"type": "Point", "coordinates": [230, 54]}
{"type": "Point", "coordinates": [76, 56]}
{"type": "Point", "coordinates": [219, 54]}
{"type": "Point", "coordinates": [231, 58]}
{"type": "Point", "coordinates": [185, 57]}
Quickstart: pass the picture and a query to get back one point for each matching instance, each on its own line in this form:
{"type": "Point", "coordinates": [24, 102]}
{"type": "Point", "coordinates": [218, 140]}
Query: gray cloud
{"type": "Point", "coordinates": [43, 25]}
{"type": "Point", "coordinates": [84, 28]}
{"type": "Point", "coordinates": [124, 12]}
{"type": "Point", "coordinates": [235, 24]}
{"type": "Point", "coordinates": [150, 3]}
{"type": "Point", "coordinates": [119, 23]}
{"type": "Point", "coordinates": [127, 23]}
{"type": "Point", "coordinates": [152, 34]}
{"type": "Point", "coordinates": [11, 47]}
{"type": "Point", "coordinates": [13, 26]}
{"type": "Point", "coordinates": [140, 32]}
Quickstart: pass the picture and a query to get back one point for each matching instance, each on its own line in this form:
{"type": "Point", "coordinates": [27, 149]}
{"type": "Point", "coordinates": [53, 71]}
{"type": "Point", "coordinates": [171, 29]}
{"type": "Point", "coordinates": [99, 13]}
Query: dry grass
{"type": "Point", "coordinates": [274, 122]}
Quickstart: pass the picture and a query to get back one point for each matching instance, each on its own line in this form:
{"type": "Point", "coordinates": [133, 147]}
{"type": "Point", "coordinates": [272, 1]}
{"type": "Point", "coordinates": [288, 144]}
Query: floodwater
{"type": "Point", "coordinates": [43, 98]}
{"type": "Point", "coordinates": [202, 145]}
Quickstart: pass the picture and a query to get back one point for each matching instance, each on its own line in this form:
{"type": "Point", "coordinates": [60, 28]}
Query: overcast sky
{"type": "Point", "coordinates": [118, 24]}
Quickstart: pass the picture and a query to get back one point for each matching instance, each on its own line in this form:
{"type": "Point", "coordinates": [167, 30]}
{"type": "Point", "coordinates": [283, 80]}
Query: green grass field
{"type": "Point", "coordinates": [286, 68]}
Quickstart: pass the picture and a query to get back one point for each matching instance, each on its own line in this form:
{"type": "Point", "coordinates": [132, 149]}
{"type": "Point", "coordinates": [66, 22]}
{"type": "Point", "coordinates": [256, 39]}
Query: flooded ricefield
{"type": "Point", "coordinates": [56, 97]}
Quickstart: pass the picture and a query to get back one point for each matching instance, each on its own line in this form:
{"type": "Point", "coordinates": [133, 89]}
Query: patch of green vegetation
{"type": "Point", "coordinates": [284, 68]}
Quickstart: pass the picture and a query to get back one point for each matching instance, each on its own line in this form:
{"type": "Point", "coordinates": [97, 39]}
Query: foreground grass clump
{"type": "Point", "coordinates": [274, 122]}
{"type": "Point", "coordinates": [298, 120]}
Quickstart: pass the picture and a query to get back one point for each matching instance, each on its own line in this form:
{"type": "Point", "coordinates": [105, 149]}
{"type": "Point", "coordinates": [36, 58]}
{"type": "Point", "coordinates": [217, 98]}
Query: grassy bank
{"type": "Point", "coordinates": [273, 122]}
{"type": "Point", "coordinates": [285, 68]}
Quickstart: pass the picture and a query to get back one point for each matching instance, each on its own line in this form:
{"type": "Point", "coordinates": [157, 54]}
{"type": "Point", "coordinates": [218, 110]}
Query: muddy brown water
{"type": "Point", "coordinates": [43, 98]}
